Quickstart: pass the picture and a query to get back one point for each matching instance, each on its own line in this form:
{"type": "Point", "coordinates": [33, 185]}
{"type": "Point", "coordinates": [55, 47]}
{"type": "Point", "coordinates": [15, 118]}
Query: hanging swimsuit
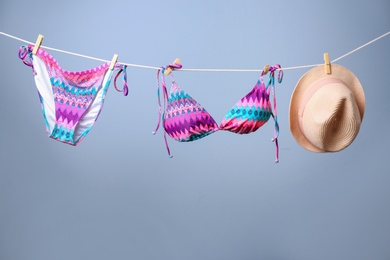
{"type": "Point", "coordinates": [71, 101]}
{"type": "Point", "coordinates": [185, 120]}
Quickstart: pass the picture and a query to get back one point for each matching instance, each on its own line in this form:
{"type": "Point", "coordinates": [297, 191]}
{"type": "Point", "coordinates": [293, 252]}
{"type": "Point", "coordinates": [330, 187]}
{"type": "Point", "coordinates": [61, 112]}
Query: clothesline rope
{"type": "Point", "coordinates": [200, 70]}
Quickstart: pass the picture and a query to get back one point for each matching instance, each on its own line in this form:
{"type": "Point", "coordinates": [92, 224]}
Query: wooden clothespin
{"type": "Point", "coordinates": [328, 69]}
{"type": "Point", "coordinates": [265, 69]}
{"type": "Point", "coordinates": [113, 61]}
{"type": "Point", "coordinates": [37, 44]}
{"type": "Point", "coordinates": [169, 70]}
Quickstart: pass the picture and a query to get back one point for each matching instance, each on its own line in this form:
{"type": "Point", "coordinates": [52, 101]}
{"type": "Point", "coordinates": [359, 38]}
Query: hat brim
{"type": "Point", "coordinates": [308, 79]}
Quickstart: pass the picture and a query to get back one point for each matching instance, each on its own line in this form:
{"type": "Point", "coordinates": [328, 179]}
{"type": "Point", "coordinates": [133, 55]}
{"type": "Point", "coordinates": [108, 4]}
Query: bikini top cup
{"type": "Point", "coordinates": [185, 120]}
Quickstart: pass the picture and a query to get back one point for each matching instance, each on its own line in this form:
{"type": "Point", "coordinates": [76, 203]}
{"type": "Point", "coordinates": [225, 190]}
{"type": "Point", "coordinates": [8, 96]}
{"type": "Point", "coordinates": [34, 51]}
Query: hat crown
{"type": "Point", "coordinates": [330, 119]}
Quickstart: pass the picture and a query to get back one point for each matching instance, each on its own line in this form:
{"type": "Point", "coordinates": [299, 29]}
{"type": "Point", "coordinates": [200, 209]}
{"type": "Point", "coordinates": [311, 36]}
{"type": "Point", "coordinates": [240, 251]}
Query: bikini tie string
{"type": "Point", "coordinates": [161, 114]}
{"type": "Point", "coordinates": [22, 54]}
{"type": "Point", "coordinates": [174, 66]}
{"type": "Point", "coordinates": [25, 54]}
{"type": "Point", "coordinates": [161, 108]}
{"type": "Point", "coordinates": [158, 100]}
{"type": "Point", "coordinates": [272, 70]}
{"type": "Point", "coordinates": [271, 83]}
{"type": "Point", "coordinates": [125, 89]}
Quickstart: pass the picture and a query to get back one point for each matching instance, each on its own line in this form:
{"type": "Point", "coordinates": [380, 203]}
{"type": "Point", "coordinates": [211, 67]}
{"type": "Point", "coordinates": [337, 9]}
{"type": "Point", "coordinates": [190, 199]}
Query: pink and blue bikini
{"type": "Point", "coordinates": [185, 120]}
{"type": "Point", "coordinates": [71, 101]}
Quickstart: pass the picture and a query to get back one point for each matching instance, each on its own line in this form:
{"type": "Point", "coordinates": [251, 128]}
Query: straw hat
{"type": "Point", "coordinates": [326, 110]}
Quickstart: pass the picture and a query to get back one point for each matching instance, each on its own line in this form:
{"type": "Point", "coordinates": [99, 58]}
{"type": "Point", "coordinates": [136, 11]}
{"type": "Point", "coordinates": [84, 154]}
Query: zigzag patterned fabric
{"type": "Point", "coordinates": [71, 101]}
{"type": "Point", "coordinates": [185, 119]}
{"type": "Point", "coordinates": [73, 95]}
{"type": "Point", "coordinates": [250, 113]}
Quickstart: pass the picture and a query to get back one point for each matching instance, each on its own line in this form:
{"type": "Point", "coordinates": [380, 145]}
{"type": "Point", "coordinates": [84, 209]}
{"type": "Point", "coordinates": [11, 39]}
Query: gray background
{"type": "Point", "coordinates": [118, 196]}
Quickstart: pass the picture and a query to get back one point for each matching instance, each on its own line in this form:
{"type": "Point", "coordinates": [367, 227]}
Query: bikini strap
{"type": "Point", "coordinates": [165, 92]}
{"type": "Point", "coordinates": [158, 101]}
{"type": "Point", "coordinates": [25, 54]}
{"type": "Point", "coordinates": [125, 89]}
{"type": "Point", "coordinates": [271, 82]}
{"type": "Point", "coordinates": [162, 108]}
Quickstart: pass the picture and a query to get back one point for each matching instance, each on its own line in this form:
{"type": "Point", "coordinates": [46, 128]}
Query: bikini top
{"type": "Point", "coordinates": [185, 120]}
